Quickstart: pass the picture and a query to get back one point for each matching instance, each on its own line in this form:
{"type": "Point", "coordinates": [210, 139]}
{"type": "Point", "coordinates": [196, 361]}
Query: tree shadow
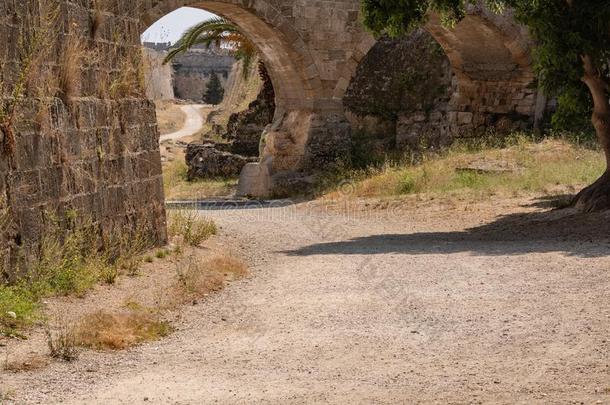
{"type": "Point", "coordinates": [564, 230]}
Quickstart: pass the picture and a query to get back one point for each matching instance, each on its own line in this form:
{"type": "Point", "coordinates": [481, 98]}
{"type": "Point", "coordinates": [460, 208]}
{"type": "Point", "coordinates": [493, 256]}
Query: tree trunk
{"type": "Point", "coordinates": [596, 197]}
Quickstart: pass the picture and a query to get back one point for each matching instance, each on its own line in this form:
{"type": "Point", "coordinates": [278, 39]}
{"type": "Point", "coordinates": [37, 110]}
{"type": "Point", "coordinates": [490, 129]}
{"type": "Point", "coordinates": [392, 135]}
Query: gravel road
{"type": "Point", "coordinates": [192, 124]}
{"type": "Point", "coordinates": [435, 305]}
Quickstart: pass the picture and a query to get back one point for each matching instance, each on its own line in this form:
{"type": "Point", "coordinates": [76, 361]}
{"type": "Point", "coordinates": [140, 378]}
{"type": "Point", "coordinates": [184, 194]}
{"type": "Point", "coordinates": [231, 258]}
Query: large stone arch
{"type": "Point", "coordinates": [280, 45]}
{"type": "Point", "coordinates": [490, 55]}
{"type": "Point", "coordinates": [312, 50]}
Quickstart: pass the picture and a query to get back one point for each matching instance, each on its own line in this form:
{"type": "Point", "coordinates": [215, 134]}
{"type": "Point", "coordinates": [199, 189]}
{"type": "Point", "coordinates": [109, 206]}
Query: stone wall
{"type": "Point", "coordinates": [192, 71]}
{"type": "Point", "coordinates": [159, 77]}
{"type": "Point", "coordinates": [245, 128]}
{"type": "Point", "coordinates": [402, 87]}
{"type": "Point", "coordinates": [405, 96]}
{"type": "Point", "coordinates": [82, 142]}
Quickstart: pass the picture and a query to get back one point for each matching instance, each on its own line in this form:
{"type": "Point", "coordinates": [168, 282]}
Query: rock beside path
{"type": "Point", "coordinates": [204, 161]}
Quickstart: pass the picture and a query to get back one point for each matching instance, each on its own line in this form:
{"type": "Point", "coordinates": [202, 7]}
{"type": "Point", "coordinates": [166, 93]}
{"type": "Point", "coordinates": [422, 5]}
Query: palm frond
{"type": "Point", "coordinates": [216, 31]}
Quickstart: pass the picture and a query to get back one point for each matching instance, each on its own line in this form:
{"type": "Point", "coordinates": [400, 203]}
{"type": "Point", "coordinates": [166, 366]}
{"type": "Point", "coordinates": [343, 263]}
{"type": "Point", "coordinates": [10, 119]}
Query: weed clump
{"type": "Point", "coordinates": [66, 263]}
{"type": "Point", "coordinates": [63, 342]}
{"type": "Point", "coordinates": [190, 227]}
{"type": "Point", "coordinates": [199, 278]}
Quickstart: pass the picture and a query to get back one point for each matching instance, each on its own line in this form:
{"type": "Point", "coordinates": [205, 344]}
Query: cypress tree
{"type": "Point", "coordinates": [214, 92]}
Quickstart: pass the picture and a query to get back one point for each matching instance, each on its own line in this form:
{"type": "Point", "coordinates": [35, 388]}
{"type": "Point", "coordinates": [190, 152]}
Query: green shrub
{"type": "Point", "coordinates": [66, 263]}
{"type": "Point", "coordinates": [18, 309]}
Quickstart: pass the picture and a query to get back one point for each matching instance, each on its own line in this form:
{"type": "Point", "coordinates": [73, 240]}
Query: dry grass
{"type": "Point", "coordinates": [73, 54]}
{"type": "Point", "coordinates": [116, 331]}
{"type": "Point", "coordinates": [67, 264]}
{"type": "Point", "coordinates": [230, 267]}
{"type": "Point", "coordinates": [535, 167]}
{"type": "Point", "coordinates": [63, 342]}
{"type": "Point", "coordinates": [178, 188]}
{"type": "Point", "coordinates": [99, 17]}
{"type": "Point", "coordinates": [190, 227]}
{"type": "Point", "coordinates": [170, 117]}
{"type": "Point", "coordinates": [196, 278]}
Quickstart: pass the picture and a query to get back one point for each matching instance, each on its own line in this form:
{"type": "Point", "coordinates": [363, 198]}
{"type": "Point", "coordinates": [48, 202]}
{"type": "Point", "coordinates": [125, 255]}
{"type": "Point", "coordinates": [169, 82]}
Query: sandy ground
{"type": "Point", "coordinates": [193, 123]}
{"type": "Point", "coordinates": [173, 145]}
{"type": "Point", "coordinates": [500, 302]}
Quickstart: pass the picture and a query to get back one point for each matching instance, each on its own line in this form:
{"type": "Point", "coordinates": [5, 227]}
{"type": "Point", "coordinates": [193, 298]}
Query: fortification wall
{"type": "Point", "coordinates": [193, 70]}
{"type": "Point", "coordinates": [79, 142]}
{"type": "Point", "coordinates": [159, 77]}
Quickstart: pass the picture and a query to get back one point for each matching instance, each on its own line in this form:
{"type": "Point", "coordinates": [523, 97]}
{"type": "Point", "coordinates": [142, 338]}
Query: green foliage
{"type": "Point", "coordinates": [398, 17]}
{"type": "Point", "coordinates": [18, 309]}
{"type": "Point", "coordinates": [66, 263]}
{"type": "Point", "coordinates": [214, 92]}
{"type": "Point", "coordinates": [574, 109]}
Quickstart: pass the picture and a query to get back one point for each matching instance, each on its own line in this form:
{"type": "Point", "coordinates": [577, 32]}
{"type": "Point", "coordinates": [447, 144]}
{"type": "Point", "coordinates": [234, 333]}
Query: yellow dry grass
{"type": "Point", "coordinates": [533, 167]}
{"type": "Point", "coordinates": [117, 331]}
{"type": "Point", "coordinates": [199, 278]}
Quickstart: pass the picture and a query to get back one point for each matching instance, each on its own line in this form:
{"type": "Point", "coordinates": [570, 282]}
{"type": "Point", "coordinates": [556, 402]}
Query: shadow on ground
{"type": "Point", "coordinates": [563, 230]}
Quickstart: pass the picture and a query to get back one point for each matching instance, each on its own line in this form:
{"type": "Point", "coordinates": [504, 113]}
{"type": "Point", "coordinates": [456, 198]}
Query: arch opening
{"type": "Point", "coordinates": [313, 52]}
{"type": "Point", "coordinates": [440, 83]}
{"type": "Point", "coordinates": [285, 65]}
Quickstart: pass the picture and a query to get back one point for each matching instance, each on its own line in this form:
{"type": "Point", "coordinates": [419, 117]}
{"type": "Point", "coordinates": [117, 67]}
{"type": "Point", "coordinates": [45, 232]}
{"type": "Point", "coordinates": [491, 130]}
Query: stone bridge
{"type": "Point", "coordinates": [312, 50]}
{"type": "Point", "coordinates": [78, 134]}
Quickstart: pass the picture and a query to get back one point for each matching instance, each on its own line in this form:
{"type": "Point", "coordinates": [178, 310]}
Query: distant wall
{"type": "Point", "coordinates": [192, 71]}
{"type": "Point", "coordinates": [159, 77]}
{"type": "Point", "coordinates": [189, 73]}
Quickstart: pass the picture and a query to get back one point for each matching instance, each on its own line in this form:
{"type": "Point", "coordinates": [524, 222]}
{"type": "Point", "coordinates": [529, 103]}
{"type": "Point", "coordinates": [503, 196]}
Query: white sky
{"type": "Point", "coordinates": [171, 27]}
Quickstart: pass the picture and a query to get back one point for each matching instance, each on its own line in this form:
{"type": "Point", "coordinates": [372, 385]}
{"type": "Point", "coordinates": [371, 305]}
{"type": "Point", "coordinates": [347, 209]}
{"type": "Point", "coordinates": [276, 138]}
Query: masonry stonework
{"type": "Point", "coordinates": [82, 146]}
{"type": "Point", "coordinates": [312, 50]}
{"type": "Point", "coordinates": [159, 77]}
{"type": "Point", "coordinates": [193, 71]}
{"type": "Point", "coordinates": [84, 137]}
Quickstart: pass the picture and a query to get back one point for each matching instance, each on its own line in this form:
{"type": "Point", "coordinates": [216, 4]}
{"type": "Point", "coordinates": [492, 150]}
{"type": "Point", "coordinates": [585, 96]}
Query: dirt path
{"type": "Point", "coordinates": [192, 124]}
{"type": "Point", "coordinates": [445, 305]}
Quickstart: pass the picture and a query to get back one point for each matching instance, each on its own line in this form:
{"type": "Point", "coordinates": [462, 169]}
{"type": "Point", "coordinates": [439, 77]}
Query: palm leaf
{"type": "Point", "coordinates": [216, 31]}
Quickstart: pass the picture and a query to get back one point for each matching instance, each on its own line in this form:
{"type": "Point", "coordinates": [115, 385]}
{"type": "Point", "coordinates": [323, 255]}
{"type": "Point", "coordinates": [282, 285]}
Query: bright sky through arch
{"type": "Point", "coordinates": [172, 26]}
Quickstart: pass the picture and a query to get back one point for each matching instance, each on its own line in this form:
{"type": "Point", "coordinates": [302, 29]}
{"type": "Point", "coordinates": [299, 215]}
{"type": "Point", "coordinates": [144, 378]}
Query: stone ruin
{"type": "Point", "coordinates": [313, 50]}
{"type": "Point", "coordinates": [79, 134]}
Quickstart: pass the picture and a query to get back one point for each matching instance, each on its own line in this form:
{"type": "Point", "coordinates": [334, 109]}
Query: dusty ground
{"type": "Point", "coordinates": [170, 116]}
{"type": "Point", "coordinates": [185, 127]}
{"type": "Point", "coordinates": [191, 125]}
{"type": "Point", "coordinates": [154, 288]}
{"type": "Point", "coordinates": [500, 302]}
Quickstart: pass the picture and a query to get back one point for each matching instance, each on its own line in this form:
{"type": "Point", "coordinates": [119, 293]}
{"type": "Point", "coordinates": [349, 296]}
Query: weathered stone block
{"type": "Point", "coordinates": [204, 161]}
